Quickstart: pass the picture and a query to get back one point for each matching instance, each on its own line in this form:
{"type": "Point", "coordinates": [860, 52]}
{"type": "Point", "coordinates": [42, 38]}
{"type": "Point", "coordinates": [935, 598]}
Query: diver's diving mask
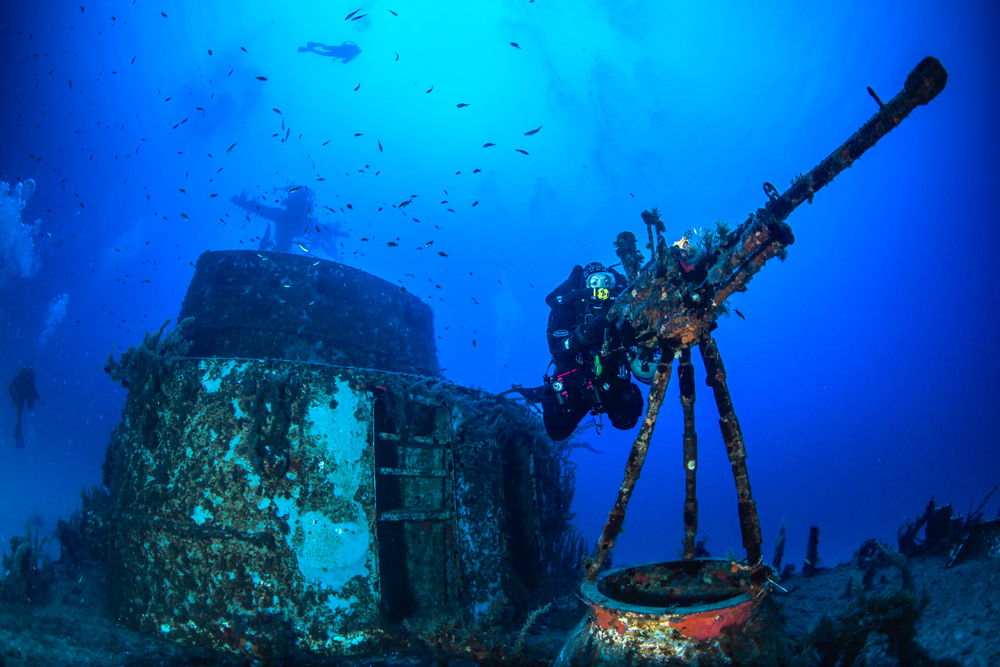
{"type": "Point", "coordinates": [600, 280]}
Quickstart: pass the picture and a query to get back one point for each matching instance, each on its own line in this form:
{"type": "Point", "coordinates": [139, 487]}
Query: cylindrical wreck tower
{"type": "Point", "coordinates": [291, 472]}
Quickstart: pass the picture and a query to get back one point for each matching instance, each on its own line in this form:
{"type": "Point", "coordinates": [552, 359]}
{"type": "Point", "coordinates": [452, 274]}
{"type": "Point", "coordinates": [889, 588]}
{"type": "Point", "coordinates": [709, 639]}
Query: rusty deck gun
{"type": "Point", "coordinates": [672, 303]}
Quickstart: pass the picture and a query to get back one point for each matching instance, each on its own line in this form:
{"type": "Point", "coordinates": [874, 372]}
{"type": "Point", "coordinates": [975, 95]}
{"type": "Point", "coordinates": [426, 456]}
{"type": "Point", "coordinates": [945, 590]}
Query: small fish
{"type": "Point", "coordinates": [461, 104]}
{"type": "Point", "coordinates": [213, 195]}
{"type": "Point", "coordinates": [475, 202]}
{"type": "Point", "coordinates": [476, 171]}
{"type": "Point", "coordinates": [325, 142]}
{"type": "Point", "coordinates": [405, 203]}
{"type": "Point", "coordinates": [430, 89]}
{"type": "Point", "coordinates": [182, 191]}
{"type": "Point", "coordinates": [231, 147]}
{"type": "Point", "coordinates": [352, 13]}
{"type": "Point", "coordinates": [392, 12]}
{"type": "Point", "coordinates": [397, 55]}
{"type": "Point", "coordinates": [261, 78]}
{"type": "Point", "coordinates": [379, 145]}
{"type": "Point", "coordinates": [183, 215]}
{"type": "Point", "coordinates": [489, 145]}
{"type": "Point", "coordinates": [514, 44]}
{"type": "Point", "coordinates": [278, 111]}
{"type": "Point", "coordinates": [428, 244]}
{"type": "Point", "coordinates": [361, 16]}
{"type": "Point", "coordinates": [473, 342]}
{"type": "Point", "coordinates": [133, 61]}
{"type": "Point", "coordinates": [357, 86]}
{"type": "Point", "coordinates": [742, 317]}
{"type": "Point", "coordinates": [295, 189]}
{"type": "Point", "coordinates": [243, 50]}
{"type": "Point", "coordinates": [304, 249]}
{"type": "Point", "coordinates": [442, 254]}
{"type": "Point", "coordinates": [363, 238]}
{"type": "Point", "coordinates": [163, 15]}
{"type": "Point", "coordinates": [230, 72]}
{"type": "Point", "coordinates": [520, 151]}
{"type": "Point", "coordinates": [210, 52]}
{"type": "Point", "coordinates": [392, 244]}
{"type": "Point", "coordinates": [451, 209]}
{"type": "Point", "coordinates": [444, 201]}
{"type": "Point", "coordinates": [534, 131]}
{"type": "Point", "coordinates": [350, 207]}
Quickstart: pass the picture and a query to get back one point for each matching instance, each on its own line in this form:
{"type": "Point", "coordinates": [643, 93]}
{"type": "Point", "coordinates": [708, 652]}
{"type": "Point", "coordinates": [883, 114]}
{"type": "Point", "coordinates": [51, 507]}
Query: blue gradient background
{"type": "Point", "coordinates": [864, 375]}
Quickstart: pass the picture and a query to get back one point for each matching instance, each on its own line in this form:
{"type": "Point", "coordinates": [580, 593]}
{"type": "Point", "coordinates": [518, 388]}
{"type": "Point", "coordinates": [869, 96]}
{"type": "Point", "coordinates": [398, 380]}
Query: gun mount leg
{"type": "Point", "coordinates": [685, 377]}
{"type": "Point", "coordinates": [633, 467]}
{"type": "Point", "coordinates": [735, 447]}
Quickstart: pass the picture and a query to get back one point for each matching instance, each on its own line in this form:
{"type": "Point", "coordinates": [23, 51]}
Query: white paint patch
{"type": "Point", "coordinates": [329, 554]}
{"type": "Point", "coordinates": [201, 515]}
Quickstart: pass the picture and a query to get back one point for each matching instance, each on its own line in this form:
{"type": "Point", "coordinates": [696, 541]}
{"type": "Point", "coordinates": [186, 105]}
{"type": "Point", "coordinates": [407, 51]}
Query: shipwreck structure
{"type": "Point", "coordinates": [291, 472]}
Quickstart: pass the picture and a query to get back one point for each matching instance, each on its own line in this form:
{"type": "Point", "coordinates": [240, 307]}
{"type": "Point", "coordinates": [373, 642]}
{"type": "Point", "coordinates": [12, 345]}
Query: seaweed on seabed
{"type": "Point", "coordinates": [484, 641]}
{"type": "Point", "coordinates": [27, 571]}
{"type": "Point", "coordinates": [885, 600]}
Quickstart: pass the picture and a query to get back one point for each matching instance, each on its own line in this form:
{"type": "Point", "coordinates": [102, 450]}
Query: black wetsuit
{"type": "Point", "coordinates": [578, 331]}
{"type": "Point", "coordinates": [22, 390]}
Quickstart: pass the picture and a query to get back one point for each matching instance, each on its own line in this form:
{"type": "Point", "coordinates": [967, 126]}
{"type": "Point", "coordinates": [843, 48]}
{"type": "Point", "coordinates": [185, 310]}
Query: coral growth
{"type": "Point", "coordinates": [779, 547]}
{"type": "Point", "coordinates": [85, 535]}
{"type": "Point", "coordinates": [28, 571]}
{"type": "Point", "coordinates": [885, 600]}
{"type": "Point", "coordinates": [811, 565]}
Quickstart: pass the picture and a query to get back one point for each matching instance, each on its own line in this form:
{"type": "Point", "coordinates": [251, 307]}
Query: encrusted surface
{"type": "Point", "coordinates": [244, 506]}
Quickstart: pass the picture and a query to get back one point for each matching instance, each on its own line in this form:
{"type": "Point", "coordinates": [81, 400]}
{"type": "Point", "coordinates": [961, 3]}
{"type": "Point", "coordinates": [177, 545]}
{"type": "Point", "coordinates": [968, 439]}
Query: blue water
{"type": "Point", "coordinates": [864, 374]}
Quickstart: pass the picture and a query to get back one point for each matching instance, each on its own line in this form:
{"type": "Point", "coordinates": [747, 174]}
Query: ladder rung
{"type": "Point", "coordinates": [412, 472]}
{"type": "Point", "coordinates": [412, 439]}
{"type": "Point", "coordinates": [416, 515]}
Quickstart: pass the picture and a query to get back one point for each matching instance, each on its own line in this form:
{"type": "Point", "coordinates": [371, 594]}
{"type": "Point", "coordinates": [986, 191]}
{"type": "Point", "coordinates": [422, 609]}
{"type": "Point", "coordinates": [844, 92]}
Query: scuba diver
{"type": "Point", "coordinates": [592, 358]}
{"type": "Point", "coordinates": [293, 220]}
{"type": "Point", "coordinates": [22, 390]}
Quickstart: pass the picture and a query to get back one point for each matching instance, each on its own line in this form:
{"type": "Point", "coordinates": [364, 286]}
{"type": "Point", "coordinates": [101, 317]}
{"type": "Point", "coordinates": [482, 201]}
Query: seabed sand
{"type": "Point", "coordinates": [74, 626]}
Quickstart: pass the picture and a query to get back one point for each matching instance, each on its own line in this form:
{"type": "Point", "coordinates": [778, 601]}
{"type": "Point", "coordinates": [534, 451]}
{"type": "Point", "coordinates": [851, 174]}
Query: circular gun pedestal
{"type": "Point", "coordinates": [676, 612]}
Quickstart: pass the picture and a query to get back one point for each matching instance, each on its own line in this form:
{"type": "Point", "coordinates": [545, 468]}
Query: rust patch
{"type": "Point", "coordinates": [709, 624]}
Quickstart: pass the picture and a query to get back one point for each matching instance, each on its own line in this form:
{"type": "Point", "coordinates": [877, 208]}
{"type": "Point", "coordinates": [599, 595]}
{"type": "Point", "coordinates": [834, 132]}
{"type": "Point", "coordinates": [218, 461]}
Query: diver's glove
{"type": "Point", "coordinates": [588, 336]}
{"type": "Point", "coordinates": [576, 295]}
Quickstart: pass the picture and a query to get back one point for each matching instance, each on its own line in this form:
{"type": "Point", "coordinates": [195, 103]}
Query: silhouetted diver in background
{"type": "Point", "coordinates": [22, 390]}
{"type": "Point", "coordinates": [346, 52]}
{"type": "Point", "coordinates": [293, 218]}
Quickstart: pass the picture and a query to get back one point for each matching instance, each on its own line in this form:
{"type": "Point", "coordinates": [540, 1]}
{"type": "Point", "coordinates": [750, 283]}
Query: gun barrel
{"type": "Point", "coordinates": [665, 306]}
{"type": "Point", "coordinates": [922, 85]}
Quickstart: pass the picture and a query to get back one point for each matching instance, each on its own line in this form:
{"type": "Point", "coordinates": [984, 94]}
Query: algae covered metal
{"type": "Point", "coordinates": [261, 505]}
